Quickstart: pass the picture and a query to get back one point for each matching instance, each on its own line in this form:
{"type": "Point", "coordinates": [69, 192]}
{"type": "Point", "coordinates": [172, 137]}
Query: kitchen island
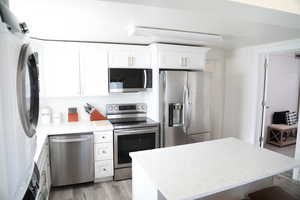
{"type": "Point", "coordinates": [219, 169]}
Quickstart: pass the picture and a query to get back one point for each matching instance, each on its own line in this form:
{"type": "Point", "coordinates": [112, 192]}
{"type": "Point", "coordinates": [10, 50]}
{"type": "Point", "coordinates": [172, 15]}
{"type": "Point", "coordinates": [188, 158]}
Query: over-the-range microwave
{"type": "Point", "coordinates": [121, 80]}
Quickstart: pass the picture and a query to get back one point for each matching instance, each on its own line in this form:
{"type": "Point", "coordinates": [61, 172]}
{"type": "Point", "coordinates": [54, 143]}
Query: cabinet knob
{"type": "Point", "coordinates": [103, 137]}
{"type": "Point", "coordinates": [104, 169]}
{"type": "Point", "coordinates": [103, 151]}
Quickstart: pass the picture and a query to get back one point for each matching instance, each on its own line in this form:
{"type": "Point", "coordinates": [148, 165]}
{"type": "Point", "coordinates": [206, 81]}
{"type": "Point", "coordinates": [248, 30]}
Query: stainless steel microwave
{"type": "Point", "coordinates": [123, 80]}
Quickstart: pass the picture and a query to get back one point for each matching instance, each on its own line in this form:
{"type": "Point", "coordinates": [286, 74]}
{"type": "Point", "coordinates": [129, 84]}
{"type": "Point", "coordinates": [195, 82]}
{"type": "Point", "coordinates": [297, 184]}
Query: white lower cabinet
{"type": "Point", "coordinates": [104, 169]}
{"type": "Point", "coordinates": [103, 154]}
{"type": "Point", "coordinates": [103, 151]}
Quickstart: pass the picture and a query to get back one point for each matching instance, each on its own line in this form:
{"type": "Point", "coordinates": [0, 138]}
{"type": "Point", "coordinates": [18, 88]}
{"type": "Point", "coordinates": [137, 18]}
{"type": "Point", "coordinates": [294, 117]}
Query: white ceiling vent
{"type": "Point", "coordinates": [160, 34]}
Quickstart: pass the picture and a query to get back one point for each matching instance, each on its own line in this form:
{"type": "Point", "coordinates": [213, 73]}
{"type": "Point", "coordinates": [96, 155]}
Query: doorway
{"type": "Point", "coordinates": [280, 103]}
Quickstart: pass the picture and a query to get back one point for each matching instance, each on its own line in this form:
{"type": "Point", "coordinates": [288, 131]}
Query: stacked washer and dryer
{"type": "Point", "coordinates": [19, 110]}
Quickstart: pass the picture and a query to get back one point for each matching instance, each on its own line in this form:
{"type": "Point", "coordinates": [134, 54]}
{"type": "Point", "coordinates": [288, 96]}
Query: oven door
{"type": "Point", "coordinates": [123, 80]}
{"type": "Point", "coordinates": [131, 140]}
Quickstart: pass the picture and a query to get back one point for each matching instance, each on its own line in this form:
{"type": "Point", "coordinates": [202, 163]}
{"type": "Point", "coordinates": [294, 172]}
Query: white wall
{"type": "Point", "coordinates": [62, 104]}
{"type": "Point", "coordinates": [215, 57]}
{"type": "Point", "coordinates": [240, 94]}
{"type": "Point", "coordinates": [282, 84]}
{"type": "Point", "coordinates": [243, 91]}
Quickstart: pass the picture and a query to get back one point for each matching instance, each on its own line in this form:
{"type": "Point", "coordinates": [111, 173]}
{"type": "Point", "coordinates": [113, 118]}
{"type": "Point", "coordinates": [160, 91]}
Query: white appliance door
{"type": "Point", "coordinates": [18, 115]}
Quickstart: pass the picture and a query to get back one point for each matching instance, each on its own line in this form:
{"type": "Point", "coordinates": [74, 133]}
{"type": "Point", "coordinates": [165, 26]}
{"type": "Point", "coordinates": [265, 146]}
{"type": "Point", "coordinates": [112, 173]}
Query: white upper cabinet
{"type": "Point", "coordinates": [74, 69]}
{"type": "Point", "coordinates": [60, 70]}
{"type": "Point", "coordinates": [129, 56]}
{"type": "Point", "coordinates": [94, 70]}
{"type": "Point", "coordinates": [179, 57]}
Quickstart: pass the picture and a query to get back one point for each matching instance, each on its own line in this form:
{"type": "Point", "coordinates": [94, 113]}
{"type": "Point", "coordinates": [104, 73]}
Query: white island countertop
{"type": "Point", "coordinates": [198, 170]}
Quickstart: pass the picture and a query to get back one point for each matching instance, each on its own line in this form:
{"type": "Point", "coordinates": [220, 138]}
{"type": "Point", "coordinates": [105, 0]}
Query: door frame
{"type": "Point", "coordinates": [263, 54]}
{"type": "Point", "coordinates": [263, 102]}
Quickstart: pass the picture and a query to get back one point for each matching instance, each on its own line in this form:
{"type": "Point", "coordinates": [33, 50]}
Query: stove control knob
{"type": "Point", "coordinates": [143, 107]}
{"type": "Point", "coordinates": [110, 108]}
{"type": "Point", "coordinates": [116, 108]}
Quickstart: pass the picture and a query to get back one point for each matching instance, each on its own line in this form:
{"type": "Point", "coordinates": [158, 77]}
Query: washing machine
{"type": "Point", "coordinates": [19, 107]}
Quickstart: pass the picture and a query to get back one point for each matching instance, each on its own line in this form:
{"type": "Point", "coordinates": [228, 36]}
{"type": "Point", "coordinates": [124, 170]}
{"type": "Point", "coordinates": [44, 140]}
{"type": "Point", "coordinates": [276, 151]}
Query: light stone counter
{"type": "Point", "coordinates": [204, 169]}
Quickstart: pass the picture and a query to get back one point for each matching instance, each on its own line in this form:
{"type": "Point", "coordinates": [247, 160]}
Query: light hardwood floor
{"type": "Point", "coordinates": [113, 190]}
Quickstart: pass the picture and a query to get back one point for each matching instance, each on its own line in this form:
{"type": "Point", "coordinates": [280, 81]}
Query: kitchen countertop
{"type": "Point", "coordinates": [198, 170]}
{"type": "Point", "coordinates": [43, 131]}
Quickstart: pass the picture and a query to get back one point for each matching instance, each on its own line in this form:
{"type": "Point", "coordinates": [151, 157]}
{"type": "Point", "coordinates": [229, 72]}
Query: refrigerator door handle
{"type": "Point", "coordinates": [185, 109]}
{"type": "Point", "coordinates": [189, 111]}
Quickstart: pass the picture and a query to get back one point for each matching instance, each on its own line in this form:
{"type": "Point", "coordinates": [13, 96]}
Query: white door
{"type": "Point", "coordinates": [94, 70]}
{"type": "Point", "coordinates": [61, 70]}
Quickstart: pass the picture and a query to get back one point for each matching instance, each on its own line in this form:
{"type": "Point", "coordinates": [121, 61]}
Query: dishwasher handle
{"type": "Point", "coordinates": [56, 140]}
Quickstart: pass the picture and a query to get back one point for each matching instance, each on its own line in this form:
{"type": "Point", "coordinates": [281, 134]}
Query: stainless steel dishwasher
{"type": "Point", "coordinates": [72, 158]}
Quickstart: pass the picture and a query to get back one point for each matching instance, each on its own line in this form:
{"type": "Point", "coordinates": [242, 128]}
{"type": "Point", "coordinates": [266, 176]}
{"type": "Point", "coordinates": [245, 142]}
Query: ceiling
{"type": "Point", "coordinates": [97, 20]}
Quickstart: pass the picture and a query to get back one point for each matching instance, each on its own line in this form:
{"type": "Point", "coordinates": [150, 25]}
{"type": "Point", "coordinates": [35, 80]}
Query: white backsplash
{"type": "Point", "coordinates": [61, 105]}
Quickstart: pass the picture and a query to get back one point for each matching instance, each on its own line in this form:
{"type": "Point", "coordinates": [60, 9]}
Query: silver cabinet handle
{"type": "Point", "coordinates": [129, 60]}
{"type": "Point", "coordinates": [132, 60]}
{"type": "Point", "coordinates": [182, 61]}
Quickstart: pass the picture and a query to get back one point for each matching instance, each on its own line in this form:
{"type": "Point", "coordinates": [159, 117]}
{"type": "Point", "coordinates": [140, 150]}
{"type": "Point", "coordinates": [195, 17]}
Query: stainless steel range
{"type": "Point", "coordinates": [133, 131]}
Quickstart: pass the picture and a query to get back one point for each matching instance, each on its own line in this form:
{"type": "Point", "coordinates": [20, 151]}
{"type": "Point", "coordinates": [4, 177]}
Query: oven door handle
{"type": "Point", "coordinates": [135, 131]}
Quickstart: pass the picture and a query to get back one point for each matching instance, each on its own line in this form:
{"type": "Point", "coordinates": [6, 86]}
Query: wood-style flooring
{"type": "Point", "coordinates": [287, 151]}
{"type": "Point", "coordinates": [113, 190]}
{"type": "Point", "coordinates": [121, 190]}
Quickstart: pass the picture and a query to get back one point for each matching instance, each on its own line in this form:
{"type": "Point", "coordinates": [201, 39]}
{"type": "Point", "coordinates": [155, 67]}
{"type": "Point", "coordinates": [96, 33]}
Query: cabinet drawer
{"type": "Point", "coordinates": [102, 137]}
{"type": "Point", "coordinates": [103, 151]}
{"type": "Point", "coordinates": [104, 169]}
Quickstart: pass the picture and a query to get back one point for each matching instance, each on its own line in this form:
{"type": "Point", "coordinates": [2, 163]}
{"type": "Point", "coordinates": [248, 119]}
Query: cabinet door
{"type": "Point", "coordinates": [141, 57]}
{"type": "Point", "coordinates": [60, 69]}
{"type": "Point", "coordinates": [129, 56]}
{"type": "Point", "coordinates": [194, 59]}
{"type": "Point", "coordinates": [94, 70]}
{"type": "Point", "coordinates": [171, 59]}
{"type": "Point", "coordinates": [181, 57]}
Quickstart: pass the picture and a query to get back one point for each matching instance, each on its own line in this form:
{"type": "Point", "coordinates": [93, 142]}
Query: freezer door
{"type": "Point", "coordinates": [172, 87]}
{"type": "Point", "coordinates": [199, 103]}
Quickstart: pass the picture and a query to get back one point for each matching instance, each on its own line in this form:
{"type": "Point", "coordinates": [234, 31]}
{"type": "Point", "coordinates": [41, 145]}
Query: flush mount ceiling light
{"type": "Point", "coordinates": [161, 33]}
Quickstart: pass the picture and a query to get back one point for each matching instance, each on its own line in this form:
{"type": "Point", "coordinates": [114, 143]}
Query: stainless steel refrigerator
{"type": "Point", "coordinates": [184, 107]}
